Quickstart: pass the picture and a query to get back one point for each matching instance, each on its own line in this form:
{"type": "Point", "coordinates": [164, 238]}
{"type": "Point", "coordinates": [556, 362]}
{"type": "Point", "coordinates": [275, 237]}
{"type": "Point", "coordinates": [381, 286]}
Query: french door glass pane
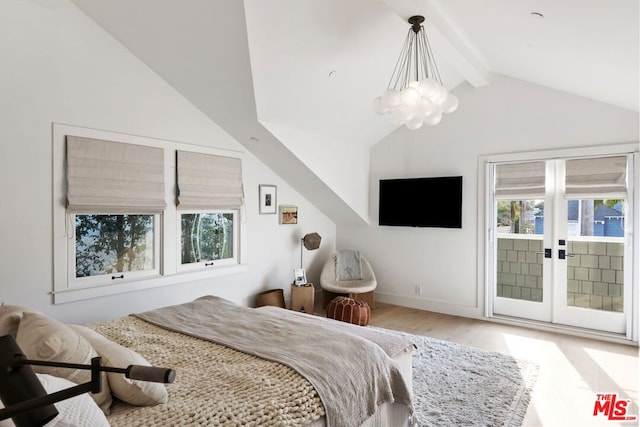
{"type": "Point", "coordinates": [520, 253]}
{"type": "Point", "coordinates": [595, 254]}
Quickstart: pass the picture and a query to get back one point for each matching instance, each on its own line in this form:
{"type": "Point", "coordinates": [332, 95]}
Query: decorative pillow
{"type": "Point", "coordinates": [10, 316]}
{"type": "Point", "coordinates": [78, 411]}
{"type": "Point", "coordinates": [43, 338]}
{"type": "Point", "coordinates": [134, 392]}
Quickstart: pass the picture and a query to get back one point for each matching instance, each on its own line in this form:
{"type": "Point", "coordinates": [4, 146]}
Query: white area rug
{"type": "Point", "coordinates": [458, 385]}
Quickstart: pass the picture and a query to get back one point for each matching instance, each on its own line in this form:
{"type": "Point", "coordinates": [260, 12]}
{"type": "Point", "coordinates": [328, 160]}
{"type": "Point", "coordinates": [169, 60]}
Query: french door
{"type": "Point", "coordinates": [560, 244]}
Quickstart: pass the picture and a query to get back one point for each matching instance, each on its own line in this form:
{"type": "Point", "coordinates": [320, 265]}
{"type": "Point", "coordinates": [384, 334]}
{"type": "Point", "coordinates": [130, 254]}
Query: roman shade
{"type": "Point", "coordinates": [596, 177]}
{"type": "Point", "coordinates": [114, 177]}
{"type": "Point", "coordinates": [207, 181]}
{"type": "Point", "coordinates": [520, 180]}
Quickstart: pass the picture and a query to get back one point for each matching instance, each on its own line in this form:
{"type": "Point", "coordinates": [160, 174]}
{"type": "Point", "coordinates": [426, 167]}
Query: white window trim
{"type": "Point", "coordinates": [169, 273]}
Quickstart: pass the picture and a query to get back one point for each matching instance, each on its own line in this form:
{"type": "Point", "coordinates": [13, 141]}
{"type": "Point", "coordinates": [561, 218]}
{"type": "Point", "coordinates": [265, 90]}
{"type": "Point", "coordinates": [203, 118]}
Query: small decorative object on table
{"type": "Point", "coordinates": [302, 297]}
{"type": "Point", "coordinates": [299, 276]}
{"type": "Point", "coordinates": [349, 310]}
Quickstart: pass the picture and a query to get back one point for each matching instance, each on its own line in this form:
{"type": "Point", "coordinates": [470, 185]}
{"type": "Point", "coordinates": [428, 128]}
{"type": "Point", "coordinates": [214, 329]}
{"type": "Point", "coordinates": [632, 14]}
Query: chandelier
{"type": "Point", "coordinates": [415, 94]}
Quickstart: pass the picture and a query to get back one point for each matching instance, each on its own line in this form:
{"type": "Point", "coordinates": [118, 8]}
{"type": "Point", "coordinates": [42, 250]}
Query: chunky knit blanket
{"type": "Point", "coordinates": [215, 385]}
{"type": "Point", "coordinates": [350, 374]}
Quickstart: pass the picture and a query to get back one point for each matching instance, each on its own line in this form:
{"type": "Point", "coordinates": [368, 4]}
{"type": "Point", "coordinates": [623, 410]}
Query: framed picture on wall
{"type": "Point", "coordinates": [267, 194]}
{"type": "Point", "coordinates": [288, 214]}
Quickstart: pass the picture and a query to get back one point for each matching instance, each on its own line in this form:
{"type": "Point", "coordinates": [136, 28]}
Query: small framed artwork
{"type": "Point", "coordinates": [288, 214]}
{"type": "Point", "coordinates": [267, 194]}
{"type": "Point", "coordinates": [300, 276]}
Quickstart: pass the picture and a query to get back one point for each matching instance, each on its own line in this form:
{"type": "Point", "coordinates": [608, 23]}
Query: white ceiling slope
{"type": "Point", "coordinates": [316, 65]}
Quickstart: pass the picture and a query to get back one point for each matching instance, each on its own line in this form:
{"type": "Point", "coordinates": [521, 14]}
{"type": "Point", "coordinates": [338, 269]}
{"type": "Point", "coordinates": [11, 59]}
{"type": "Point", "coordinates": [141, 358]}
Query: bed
{"type": "Point", "coordinates": [243, 366]}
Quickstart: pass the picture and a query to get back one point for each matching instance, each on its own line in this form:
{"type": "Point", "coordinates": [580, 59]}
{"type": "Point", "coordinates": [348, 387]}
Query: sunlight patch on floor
{"type": "Point", "coordinates": [571, 385]}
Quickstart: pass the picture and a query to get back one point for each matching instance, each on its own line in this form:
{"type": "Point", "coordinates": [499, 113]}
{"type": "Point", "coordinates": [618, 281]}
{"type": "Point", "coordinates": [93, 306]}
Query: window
{"type": "Point", "coordinates": [207, 238]}
{"type": "Point", "coordinates": [114, 247]}
{"type": "Point", "coordinates": [104, 177]}
{"type": "Point", "coordinates": [210, 195]}
{"type": "Point", "coordinates": [119, 225]}
{"type": "Point", "coordinates": [519, 194]}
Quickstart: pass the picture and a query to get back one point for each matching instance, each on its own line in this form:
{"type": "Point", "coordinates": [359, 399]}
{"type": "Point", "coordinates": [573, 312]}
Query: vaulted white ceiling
{"type": "Point", "coordinates": [299, 75]}
{"type": "Point", "coordinates": [318, 64]}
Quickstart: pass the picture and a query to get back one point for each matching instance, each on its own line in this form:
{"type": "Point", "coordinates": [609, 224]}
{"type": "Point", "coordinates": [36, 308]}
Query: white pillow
{"type": "Point", "coordinates": [134, 392]}
{"type": "Point", "coordinates": [43, 338]}
{"type": "Point", "coordinates": [10, 316]}
{"type": "Point", "coordinates": [78, 411]}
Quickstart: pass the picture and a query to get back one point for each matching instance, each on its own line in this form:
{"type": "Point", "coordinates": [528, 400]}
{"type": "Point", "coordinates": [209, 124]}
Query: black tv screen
{"type": "Point", "coordinates": [421, 202]}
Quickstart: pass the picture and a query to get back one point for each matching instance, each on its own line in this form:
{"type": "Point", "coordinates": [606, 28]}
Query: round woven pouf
{"type": "Point", "coordinates": [349, 310]}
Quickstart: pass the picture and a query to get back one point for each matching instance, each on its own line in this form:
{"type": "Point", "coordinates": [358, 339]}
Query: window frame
{"type": "Point", "coordinates": [130, 276]}
{"type": "Point", "coordinates": [168, 273]}
{"type": "Point", "coordinates": [205, 263]}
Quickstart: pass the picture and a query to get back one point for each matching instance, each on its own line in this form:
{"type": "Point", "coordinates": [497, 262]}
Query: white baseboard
{"type": "Point", "coordinates": [477, 313]}
{"type": "Point", "coordinates": [473, 312]}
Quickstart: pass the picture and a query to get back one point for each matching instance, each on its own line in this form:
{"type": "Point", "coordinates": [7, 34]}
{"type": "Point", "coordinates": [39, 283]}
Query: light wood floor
{"type": "Point", "coordinates": [571, 369]}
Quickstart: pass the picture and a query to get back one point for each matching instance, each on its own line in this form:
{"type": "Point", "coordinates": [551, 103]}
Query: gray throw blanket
{"type": "Point", "coordinates": [351, 374]}
{"type": "Point", "coordinates": [348, 265]}
{"type": "Point", "coordinates": [393, 345]}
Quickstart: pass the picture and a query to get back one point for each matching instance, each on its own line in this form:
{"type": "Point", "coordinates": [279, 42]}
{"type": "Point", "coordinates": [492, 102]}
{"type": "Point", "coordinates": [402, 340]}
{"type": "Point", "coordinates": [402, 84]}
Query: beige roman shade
{"type": "Point", "coordinates": [520, 180]}
{"type": "Point", "coordinates": [114, 177]}
{"type": "Point", "coordinates": [596, 177]}
{"type": "Point", "coordinates": [207, 181]}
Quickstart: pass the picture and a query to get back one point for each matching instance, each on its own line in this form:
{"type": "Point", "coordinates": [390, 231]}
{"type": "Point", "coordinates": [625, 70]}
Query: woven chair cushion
{"type": "Point", "coordinates": [349, 310]}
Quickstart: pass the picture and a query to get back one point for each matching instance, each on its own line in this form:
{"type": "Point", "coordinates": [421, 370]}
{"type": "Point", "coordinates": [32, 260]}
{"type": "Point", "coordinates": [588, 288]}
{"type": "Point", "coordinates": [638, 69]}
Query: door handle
{"type": "Point", "coordinates": [547, 253]}
{"type": "Point", "coordinates": [562, 254]}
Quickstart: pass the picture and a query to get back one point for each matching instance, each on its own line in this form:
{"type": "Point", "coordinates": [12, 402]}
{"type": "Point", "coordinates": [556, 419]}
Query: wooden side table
{"type": "Point", "coordinates": [302, 297]}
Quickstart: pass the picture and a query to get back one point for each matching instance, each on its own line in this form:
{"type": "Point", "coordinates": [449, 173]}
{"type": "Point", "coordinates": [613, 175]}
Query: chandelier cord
{"type": "Point", "coordinates": [400, 64]}
{"type": "Point", "coordinates": [429, 60]}
{"type": "Point", "coordinates": [415, 45]}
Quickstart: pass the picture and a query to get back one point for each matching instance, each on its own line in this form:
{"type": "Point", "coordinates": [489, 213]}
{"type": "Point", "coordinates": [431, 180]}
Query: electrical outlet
{"type": "Point", "coordinates": [418, 290]}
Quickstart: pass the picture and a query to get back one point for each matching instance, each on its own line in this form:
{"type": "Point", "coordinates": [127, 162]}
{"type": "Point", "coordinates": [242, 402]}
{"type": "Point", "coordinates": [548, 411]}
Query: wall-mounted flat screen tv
{"type": "Point", "coordinates": [421, 202]}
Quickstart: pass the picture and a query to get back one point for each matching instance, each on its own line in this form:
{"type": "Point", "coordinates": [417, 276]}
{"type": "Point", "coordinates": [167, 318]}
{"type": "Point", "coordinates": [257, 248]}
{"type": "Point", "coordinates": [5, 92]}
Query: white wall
{"type": "Point", "coordinates": [59, 66]}
{"type": "Point", "coordinates": [506, 116]}
{"type": "Point", "coordinates": [342, 166]}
